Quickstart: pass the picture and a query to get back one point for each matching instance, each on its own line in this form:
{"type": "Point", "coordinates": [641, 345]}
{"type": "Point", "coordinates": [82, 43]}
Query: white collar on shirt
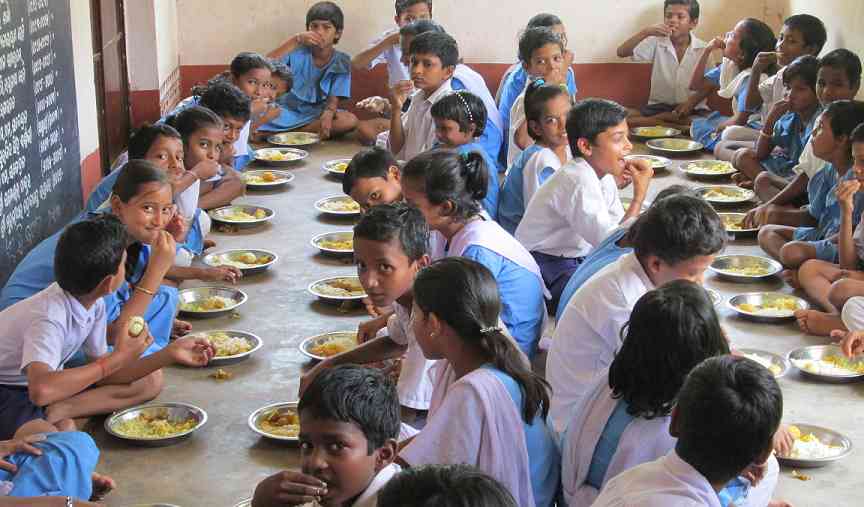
{"type": "Point", "coordinates": [631, 263]}
{"type": "Point", "coordinates": [79, 313]}
{"type": "Point", "coordinates": [369, 497]}
{"type": "Point", "coordinates": [442, 90]}
{"type": "Point", "coordinates": [685, 472]}
{"type": "Point", "coordinates": [695, 43]}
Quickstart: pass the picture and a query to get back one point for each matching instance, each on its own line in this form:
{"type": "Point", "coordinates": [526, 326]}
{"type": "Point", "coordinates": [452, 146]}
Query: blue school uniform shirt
{"type": "Point", "coordinates": [604, 254]}
{"type": "Point", "coordinates": [511, 88]}
{"type": "Point", "coordinates": [522, 304]}
{"type": "Point", "coordinates": [307, 98]}
{"type": "Point", "coordinates": [703, 129]}
{"type": "Point", "coordinates": [825, 207]}
{"type": "Point", "coordinates": [511, 204]}
{"type": "Point", "coordinates": [544, 458]}
{"type": "Point", "coordinates": [791, 134]}
{"type": "Point", "coordinates": [65, 467]}
{"type": "Point", "coordinates": [490, 202]}
{"type": "Point", "coordinates": [492, 137]}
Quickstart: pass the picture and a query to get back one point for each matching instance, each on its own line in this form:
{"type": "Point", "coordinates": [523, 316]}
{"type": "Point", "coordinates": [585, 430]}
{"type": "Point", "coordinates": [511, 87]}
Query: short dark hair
{"type": "Point", "coordinates": [89, 251]}
{"type": "Point", "coordinates": [727, 413]}
{"type": "Point", "coordinates": [133, 175]}
{"type": "Point", "coordinates": [692, 6]}
{"type": "Point", "coordinates": [326, 11]}
{"type": "Point", "coordinates": [358, 395]}
{"type": "Point", "coordinates": [464, 108]}
{"type": "Point", "coordinates": [282, 71]}
{"type": "Point", "coordinates": [537, 95]}
{"type": "Point", "coordinates": [671, 330]}
{"type": "Point", "coordinates": [804, 67]}
{"type": "Point", "coordinates": [445, 175]}
{"type": "Point", "coordinates": [403, 5]}
{"type": "Point", "coordinates": [146, 134]}
{"type": "Point", "coordinates": [858, 134]}
{"type": "Point", "coordinates": [248, 60]}
{"type": "Point", "coordinates": [439, 44]}
{"type": "Point", "coordinates": [591, 117]}
{"type": "Point", "coordinates": [544, 19]}
{"type": "Point", "coordinates": [678, 228]}
{"type": "Point", "coordinates": [845, 60]}
{"type": "Point", "coordinates": [225, 99]}
{"type": "Point", "coordinates": [193, 119]}
{"type": "Point", "coordinates": [398, 221]}
{"type": "Point", "coordinates": [444, 486]}
{"type": "Point", "coordinates": [372, 162]}
{"type": "Point", "coordinates": [415, 28]}
{"type": "Point", "coordinates": [845, 116]}
{"type": "Point", "coordinates": [676, 189]}
{"type": "Point", "coordinates": [811, 27]}
{"type": "Point", "coordinates": [758, 37]}
{"type": "Point", "coordinates": [535, 38]}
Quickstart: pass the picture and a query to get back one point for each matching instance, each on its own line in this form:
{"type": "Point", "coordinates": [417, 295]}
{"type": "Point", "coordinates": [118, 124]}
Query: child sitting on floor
{"type": "Point", "coordinates": [483, 386]}
{"type": "Point", "coordinates": [546, 108]}
{"type": "Point", "coordinates": [579, 205]}
{"type": "Point", "coordinates": [673, 51]}
{"type": "Point", "coordinates": [372, 178]}
{"type": "Point", "coordinates": [40, 334]}
{"type": "Point", "coordinates": [448, 188]}
{"type": "Point", "coordinates": [726, 414]}
{"type": "Point", "coordinates": [444, 486]}
{"type": "Point", "coordinates": [676, 239]}
{"type": "Point", "coordinates": [460, 118]}
{"type": "Point", "coordinates": [390, 245]}
{"type": "Point", "coordinates": [349, 420]}
{"type": "Point", "coordinates": [832, 285]}
{"type": "Point", "coordinates": [322, 77]}
{"type": "Point", "coordinates": [814, 239]}
{"type": "Point", "coordinates": [786, 129]}
{"type": "Point", "coordinates": [280, 83]}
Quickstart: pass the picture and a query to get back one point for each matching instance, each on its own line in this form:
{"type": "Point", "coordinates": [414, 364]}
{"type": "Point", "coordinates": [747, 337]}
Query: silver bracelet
{"type": "Point", "coordinates": [69, 502]}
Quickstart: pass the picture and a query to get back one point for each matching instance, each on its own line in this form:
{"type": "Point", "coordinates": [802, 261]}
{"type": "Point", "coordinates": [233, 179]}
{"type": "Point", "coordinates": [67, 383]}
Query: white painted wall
{"type": "Point", "coordinates": [167, 50]}
{"type": "Point", "coordinates": [213, 31]}
{"type": "Point", "coordinates": [85, 88]}
{"type": "Point", "coordinates": [141, 56]}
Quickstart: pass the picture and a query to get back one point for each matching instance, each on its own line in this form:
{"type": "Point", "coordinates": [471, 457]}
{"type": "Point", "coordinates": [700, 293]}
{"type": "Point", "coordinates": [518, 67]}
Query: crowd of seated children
{"type": "Point", "coordinates": [839, 78]}
{"type": "Point", "coordinates": [673, 52]}
{"type": "Point", "coordinates": [447, 188]}
{"type": "Point", "coordinates": [579, 205]}
{"type": "Point", "coordinates": [321, 77]}
{"type": "Point", "coordinates": [546, 108]}
{"type": "Point", "coordinates": [677, 238]}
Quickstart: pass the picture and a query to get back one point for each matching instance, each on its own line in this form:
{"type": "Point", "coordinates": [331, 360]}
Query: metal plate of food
{"type": "Point", "coordinates": [231, 346]}
{"type": "Point", "coordinates": [776, 364]}
{"type": "Point", "coordinates": [326, 345]}
{"type": "Point", "coordinates": [815, 446]}
{"type": "Point", "coordinates": [280, 157]}
{"type": "Point", "coordinates": [826, 363]}
{"type": "Point", "coordinates": [242, 216]}
{"type": "Point", "coordinates": [277, 421]}
{"type": "Point", "coordinates": [725, 195]}
{"type": "Point", "coordinates": [768, 307]}
{"type": "Point", "coordinates": [734, 224]}
{"type": "Point", "coordinates": [248, 261]}
{"type": "Point", "coordinates": [205, 302]}
{"type": "Point", "coordinates": [336, 167]}
{"type": "Point", "coordinates": [338, 243]}
{"type": "Point", "coordinates": [156, 424]}
{"type": "Point", "coordinates": [654, 132]}
{"type": "Point", "coordinates": [674, 146]}
{"type": "Point", "coordinates": [745, 268]}
{"type": "Point", "coordinates": [294, 139]}
{"type": "Point", "coordinates": [705, 169]}
{"type": "Point", "coordinates": [341, 205]}
{"type": "Point", "coordinates": [338, 288]}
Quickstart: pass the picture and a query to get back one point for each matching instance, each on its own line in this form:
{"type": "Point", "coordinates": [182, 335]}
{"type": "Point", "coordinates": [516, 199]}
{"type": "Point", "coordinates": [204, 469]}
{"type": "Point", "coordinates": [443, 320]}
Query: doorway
{"type": "Point", "coordinates": [112, 78]}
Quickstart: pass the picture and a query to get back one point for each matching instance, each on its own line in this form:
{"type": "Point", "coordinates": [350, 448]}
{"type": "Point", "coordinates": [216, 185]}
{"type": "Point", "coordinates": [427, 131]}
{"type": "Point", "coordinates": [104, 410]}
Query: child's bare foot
{"type": "Point", "coordinates": [102, 485]}
{"type": "Point", "coordinates": [180, 328]}
{"type": "Point", "coordinates": [790, 276]}
{"type": "Point", "coordinates": [818, 323]}
{"type": "Point", "coordinates": [209, 243]}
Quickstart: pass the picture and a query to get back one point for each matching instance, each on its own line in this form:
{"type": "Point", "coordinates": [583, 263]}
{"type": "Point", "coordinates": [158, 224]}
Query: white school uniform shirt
{"type": "Point", "coordinates": [532, 171]}
{"type": "Point", "coordinates": [414, 385]}
{"type": "Point", "coordinates": [772, 90]}
{"type": "Point", "coordinates": [369, 497]}
{"type": "Point", "coordinates": [808, 163]}
{"type": "Point", "coordinates": [589, 333]}
{"type": "Point", "coordinates": [517, 118]}
{"type": "Point", "coordinates": [668, 481]}
{"type": "Point", "coordinates": [391, 56]}
{"type": "Point", "coordinates": [670, 79]}
{"type": "Point", "coordinates": [418, 128]}
{"type": "Point", "coordinates": [241, 145]}
{"type": "Point", "coordinates": [571, 213]}
{"type": "Point", "coordinates": [49, 327]}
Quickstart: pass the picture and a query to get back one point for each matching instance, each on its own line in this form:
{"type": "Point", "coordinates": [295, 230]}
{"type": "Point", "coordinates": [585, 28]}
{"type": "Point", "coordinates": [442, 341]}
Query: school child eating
{"type": "Point", "coordinates": [372, 178]}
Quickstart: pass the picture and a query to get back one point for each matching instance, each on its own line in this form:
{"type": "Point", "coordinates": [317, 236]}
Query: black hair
{"type": "Point", "coordinates": [857, 134]}
{"type": "Point", "coordinates": [676, 189]}
{"type": "Point", "coordinates": [372, 162]}
{"type": "Point", "coordinates": [845, 116]}
{"type": "Point", "coordinates": [440, 44]}
{"type": "Point", "coordinates": [282, 71]}
{"type": "Point", "coordinates": [692, 6]}
{"type": "Point", "coordinates": [463, 293]}
{"type": "Point", "coordinates": [805, 68]}
{"type": "Point", "coordinates": [193, 119]}
{"type": "Point", "coordinates": [248, 60]}
{"type": "Point", "coordinates": [88, 251]}
{"type": "Point", "coordinates": [535, 38]}
{"type": "Point", "coordinates": [811, 27]}
{"type": "Point", "coordinates": [445, 175]}
{"type": "Point", "coordinates": [399, 221]}
{"type": "Point", "coordinates": [326, 11]}
{"type": "Point", "coordinates": [671, 330]}
{"type": "Point", "coordinates": [358, 395]}
{"type": "Point", "coordinates": [727, 413]}
{"type": "Point", "coordinates": [444, 486]}
{"type": "Point", "coordinates": [420, 26]}
{"type": "Point", "coordinates": [591, 117]}
{"type": "Point", "coordinates": [146, 134]}
{"type": "Point", "coordinates": [678, 228]}
{"type": "Point", "coordinates": [224, 99]}
{"type": "Point", "coordinates": [403, 5]}
{"type": "Point", "coordinates": [847, 61]}
{"type": "Point", "coordinates": [464, 108]}
{"type": "Point", "coordinates": [757, 38]}
{"type": "Point", "coordinates": [543, 19]}
{"type": "Point", "coordinates": [537, 95]}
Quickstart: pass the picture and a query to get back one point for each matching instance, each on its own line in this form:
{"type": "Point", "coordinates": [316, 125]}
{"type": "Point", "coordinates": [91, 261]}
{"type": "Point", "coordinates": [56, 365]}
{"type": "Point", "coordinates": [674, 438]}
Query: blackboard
{"type": "Point", "coordinates": [40, 162]}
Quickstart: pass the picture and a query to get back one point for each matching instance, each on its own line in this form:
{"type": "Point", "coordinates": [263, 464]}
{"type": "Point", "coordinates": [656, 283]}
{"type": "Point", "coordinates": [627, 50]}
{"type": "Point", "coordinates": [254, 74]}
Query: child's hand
{"type": "Point", "coordinates": [228, 274]}
{"type": "Point", "coordinates": [19, 445]}
{"type": "Point", "coordinates": [779, 109]}
{"type": "Point", "coordinates": [178, 227]}
{"type": "Point", "coordinates": [162, 253]}
{"type": "Point", "coordinates": [755, 473]}
{"type": "Point", "coordinates": [227, 156]}
{"type": "Point", "coordinates": [684, 109]}
{"type": "Point", "coordinates": [658, 30]}
{"type": "Point", "coordinates": [307, 378]}
{"type": "Point", "coordinates": [399, 93]}
{"type": "Point", "coordinates": [764, 60]}
{"type": "Point", "coordinates": [846, 193]}
{"type": "Point", "coordinates": [132, 346]}
{"type": "Point", "coordinates": [259, 106]}
{"type": "Point", "coordinates": [783, 440]}
{"type": "Point", "coordinates": [288, 488]}
{"type": "Point", "coordinates": [756, 217]}
{"type": "Point", "coordinates": [193, 351]}
{"type": "Point", "coordinates": [393, 39]}
{"type": "Point", "coordinates": [640, 172]}
{"type": "Point", "coordinates": [851, 342]}
{"type": "Point", "coordinates": [205, 169]}
{"type": "Point", "coordinates": [376, 104]}
{"type": "Point", "coordinates": [717, 43]}
{"type": "Point", "coordinates": [310, 39]}
{"type": "Point", "coordinates": [369, 330]}
{"type": "Point", "coordinates": [326, 124]}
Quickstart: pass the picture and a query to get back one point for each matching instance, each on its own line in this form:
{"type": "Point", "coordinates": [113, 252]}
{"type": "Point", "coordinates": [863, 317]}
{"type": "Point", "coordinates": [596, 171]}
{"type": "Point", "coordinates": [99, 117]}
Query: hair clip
{"type": "Point", "coordinates": [465, 103]}
{"type": "Point", "coordinates": [490, 330]}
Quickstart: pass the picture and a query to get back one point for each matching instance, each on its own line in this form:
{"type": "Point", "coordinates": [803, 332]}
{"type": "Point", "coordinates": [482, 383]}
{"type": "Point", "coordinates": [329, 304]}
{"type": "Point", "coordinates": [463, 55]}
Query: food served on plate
{"type": "Point", "coordinates": [808, 446]}
{"type": "Point", "coordinates": [709, 167]}
{"type": "Point", "coordinates": [153, 426]}
{"type": "Point", "coordinates": [831, 364]}
{"type": "Point", "coordinates": [210, 304]}
{"type": "Point", "coordinates": [281, 422]}
{"type": "Point", "coordinates": [341, 204]}
{"type": "Point", "coordinates": [227, 345]}
{"type": "Point", "coordinates": [778, 307]}
{"type": "Point", "coordinates": [242, 260]}
{"type": "Point", "coordinates": [294, 138]}
{"type": "Point", "coordinates": [278, 156]}
{"type": "Point", "coordinates": [724, 194]}
{"type": "Point", "coordinates": [339, 167]}
{"type": "Point", "coordinates": [263, 178]}
{"type": "Point", "coordinates": [337, 244]}
{"type": "Point", "coordinates": [343, 287]}
{"type": "Point", "coordinates": [238, 215]}
{"type": "Point", "coordinates": [336, 343]}
{"type": "Point", "coordinates": [676, 144]}
{"type": "Point", "coordinates": [733, 223]}
{"type": "Point", "coordinates": [658, 131]}
{"type": "Point", "coordinates": [752, 270]}
{"type": "Point", "coordinates": [774, 368]}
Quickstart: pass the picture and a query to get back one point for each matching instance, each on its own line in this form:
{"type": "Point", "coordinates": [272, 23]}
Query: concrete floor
{"type": "Point", "coordinates": [221, 464]}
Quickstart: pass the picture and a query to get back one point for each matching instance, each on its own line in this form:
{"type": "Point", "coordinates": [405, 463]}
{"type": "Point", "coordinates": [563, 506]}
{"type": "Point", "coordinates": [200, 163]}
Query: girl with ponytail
{"type": "Point", "coordinates": [447, 188]}
{"type": "Point", "coordinates": [483, 386]}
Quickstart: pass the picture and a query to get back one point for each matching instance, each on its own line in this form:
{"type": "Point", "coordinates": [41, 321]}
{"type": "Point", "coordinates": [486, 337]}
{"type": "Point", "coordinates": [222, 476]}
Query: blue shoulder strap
{"type": "Point", "coordinates": [607, 444]}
